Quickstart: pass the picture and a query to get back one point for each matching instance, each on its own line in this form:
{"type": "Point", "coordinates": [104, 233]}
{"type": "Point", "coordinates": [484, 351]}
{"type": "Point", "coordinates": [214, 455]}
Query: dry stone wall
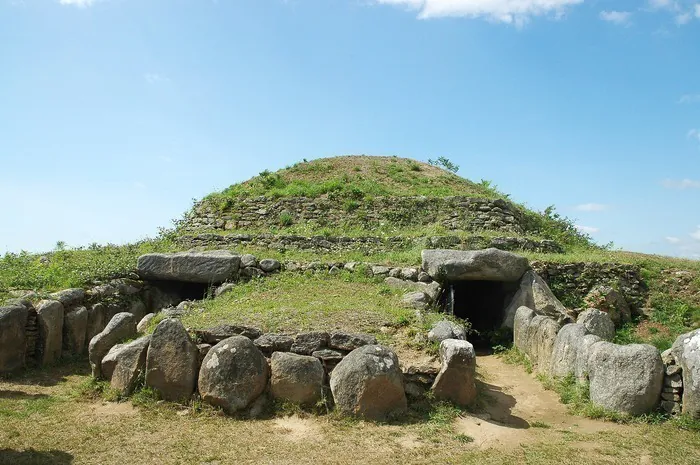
{"type": "Point", "coordinates": [454, 213]}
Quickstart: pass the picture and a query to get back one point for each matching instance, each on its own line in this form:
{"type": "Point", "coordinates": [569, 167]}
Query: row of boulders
{"type": "Point", "coordinates": [236, 368]}
{"type": "Point", "coordinates": [34, 331]}
{"type": "Point", "coordinates": [632, 379]}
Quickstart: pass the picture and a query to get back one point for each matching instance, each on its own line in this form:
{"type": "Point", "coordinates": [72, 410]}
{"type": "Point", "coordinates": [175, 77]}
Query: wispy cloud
{"type": "Point", "coordinates": [697, 10]}
{"type": "Point", "coordinates": [516, 12]}
{"type": "Point", "coordinates": [587, 229]}
{"type": "Point", "coordinates": [690, 98]}
{"type": "Point", "coordinates": [680, 184]}
{"type": "Point", "coordinates": [694, 134]}
{"type": "Point", "coordinates": [617, 17]}
{"type": "Point", "coordinates": [664, 5]}
{"type": "Point", "coordinates": [696, 234]}
{"type": "Point", "coordinates": [672, 240]}
{"type": "Point", "coordinates": [78, 3]}
{"type": "Point", "coordinates": [684, 18]}
{"type": "Point", "coordinates": [155, 78]}
{"type": "Point", "coordinates": [592, 207]}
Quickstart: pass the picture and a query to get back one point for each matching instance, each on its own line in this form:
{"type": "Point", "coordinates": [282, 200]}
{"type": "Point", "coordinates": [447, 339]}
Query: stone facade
{"type": "Point", "coordinates": [571, 282]}
{"type": "Point", "coordinates": [453, 213]}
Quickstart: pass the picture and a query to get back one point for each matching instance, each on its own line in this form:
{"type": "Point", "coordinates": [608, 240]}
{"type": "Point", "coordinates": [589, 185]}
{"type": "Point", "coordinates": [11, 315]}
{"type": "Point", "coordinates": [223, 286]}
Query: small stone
{"type": "Point", "coordinates": [249, 260]}
{"type": "Point", "coordinates": [446, 330]}
{"type": "Point", "coordinates": [350, 342]}
{"type": "Point", "coordinates": [296, 378]}
{"type": "Point", "coordinates": [424, 277]}
{"type": "Point", "coordinates": [219, 333]}
{"type": "Point", "coordinates": [269, 265]}
{"type": "Point", "coordinates": [674, 381]}
{"type": "Point", "coordinates": [395, 273]}
{"type": "Point", "coordinates": [308, 343]}
{"type": "Point", "coordinates": [673, 370]}
{"type": "Point", "coordinates": [378, 270]}
{"type": "Point", "coordinates": [224, 288]}
{"type": "Point", "coordinates": [269, 343]}
{"type": "Point", "coordinates": [145, 321]}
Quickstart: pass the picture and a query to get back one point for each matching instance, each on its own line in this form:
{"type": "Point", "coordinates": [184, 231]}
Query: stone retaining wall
{"type": "Point", "coordinates": [324, 244]}
{"type": "Point", "coordinates": [453, 213]}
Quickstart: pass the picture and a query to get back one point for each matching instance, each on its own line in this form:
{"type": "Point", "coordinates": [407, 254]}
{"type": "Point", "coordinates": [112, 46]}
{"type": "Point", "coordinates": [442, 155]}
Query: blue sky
{"type": "Point", "coordinates": [115, 114]}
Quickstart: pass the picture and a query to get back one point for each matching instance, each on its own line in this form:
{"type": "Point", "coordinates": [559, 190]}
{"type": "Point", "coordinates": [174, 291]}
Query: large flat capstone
{"type": "Point", "coordinates": [212, 267]}
{"type": "Point", "coordinates": [474, 265]}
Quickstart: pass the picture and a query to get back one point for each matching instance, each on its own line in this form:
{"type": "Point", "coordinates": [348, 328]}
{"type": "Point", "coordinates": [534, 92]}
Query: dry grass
{"type": "Point", "coordinates": [50, 424]}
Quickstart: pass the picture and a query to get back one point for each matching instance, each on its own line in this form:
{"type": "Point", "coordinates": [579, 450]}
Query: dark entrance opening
{"type": "Point", "coordinates": [483, 304]}
{"type": "Point", "coordinates": [164, 294]}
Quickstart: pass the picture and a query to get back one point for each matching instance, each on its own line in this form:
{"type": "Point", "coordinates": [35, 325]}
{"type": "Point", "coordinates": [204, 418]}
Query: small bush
{"type": "Point", "coordinates": [286, 219]}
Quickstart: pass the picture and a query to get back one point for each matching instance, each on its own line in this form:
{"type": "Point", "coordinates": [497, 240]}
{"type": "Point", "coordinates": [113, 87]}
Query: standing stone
{"type": "Point", "coordinates": [75, 331]}
{"type": "Point", "coordinates": [97, 320]}
{"type": "Point", "coordinates": [296, 378]}
{"type": "Point", "coordinates": [234, 373]}
{"type": "Point", "coordinates": [13, 340]}
{"type": "Point", "coordinates": [686, 352]}
{"type": "Point", "coordinates": [121, 327]}
{"type": "Point", "coordinates": [582, 354]}
{"type": "Point", "coordinates": [50, 319]}
{"type": "Point", "coordinates": [171, 362]}
{"type": "Point", "coordinates": [138, 309]}
{"type": "Point", "coordinates": [125, 363]}
{"type": "Point", "coordinates": [521, 326]}
{"type": "Point", "coordinates": [456, 381]}
{"type": "Point", "coordinates": [565, 350]}
{"type": "Point", "coordinates": [418, 300]}
{"type": "Point", "coordinates": [598, 323]}
{"type": "Point", "coordinates": [368, 383]}
{"type": "Point", "coordinates": [535, 294]}
{"type": "Point", "coordinates": [627, 378]}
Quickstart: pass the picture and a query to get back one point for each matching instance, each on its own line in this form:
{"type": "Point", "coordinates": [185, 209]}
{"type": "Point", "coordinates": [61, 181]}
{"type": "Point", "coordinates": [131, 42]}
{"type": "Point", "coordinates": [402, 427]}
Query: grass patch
{"type": "Point", "coordinates": [513, 356]}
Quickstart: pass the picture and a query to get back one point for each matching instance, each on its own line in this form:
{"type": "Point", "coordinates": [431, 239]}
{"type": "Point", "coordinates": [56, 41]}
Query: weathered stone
{"type": "Point", "coordinates": [69, 297]}
{"type": "Point", "coordinates": [521, 326]}
{"type": "Point", "coordinates": [13, 338]}
{"type": "Point", "coordinates": [171, 362]}
{"type": "Point", "coordinates": [97, 320]}
{"type": "Point", "coordinates": [598, 323]}
{"type": "Point", "coordinates": [446, 329]}
{"type": "Point", "coordinates": [138, 309]}
{"type": "Point", "coordinates": [270, 342]}
{"type": "Point", "coordinates": [456, 381]}
{"type": "Point", "coordinates": [308, 343]}
{"type": "Point", "coordinates": [296, 378]}
{"type": "Point", "coordinates": [119, 328]}
{"type": "Point", "coordinates": [75, 331]}
{"type": "Point", "coordinates": [203, 350]}
{"type": "Point", "coordinates": [673, 370]}
{"type": "Point", "coordinates": [610, 301]}
{"type": "Point", "coordinates": [270, 265]}
{"type": "Point", "coordinates": [369, 383]}
{"type": "Point", "coordinates": [674, 381]}
{"type": "Point", "coordinates": [565, 350]}
{"type": "Point", "coordinates": [534, 335]}
{"type": "Point", "coordinates": [224, 288]}
{"type": "Point", "coordinates": [234, 373]}
{"type": "Point", "coordinates": [418, 300]}
{"type": "Point", "coordinates": [329, 358]}
{"type": "Point", "coordinates": [582, 353]}
{"type": "Point", "coordinates": [350, 342]}
{"type": "Point", "coordinates": [125, 363]}
{"type": "Point", "coordinates": [424, 277]}
{"type": "Point", "coordinates": [249, 260]}
{"type": "Point", "coordinates": [379, 270]}
{"type": "Point", "coordinates": [212, 267]}
{"type": "Point", "coordinates": [686, 352]}
{"type": "Point", "coordinates": [145, 322]}
{"type": "Point", "coordinates": [252, 272]}
{"type": "Point", "coordinates": [410, 274]}
{"type": "Point", "coordinates": [483, 265]}
{"type": "Point", "coordinates": [219, 333]}
{"type": "Point", "coordinates": [536, 295]}
{"type": "Point", "coordinates": [50, 320]}
{"type": "Point", "coordinates": [627, 378]}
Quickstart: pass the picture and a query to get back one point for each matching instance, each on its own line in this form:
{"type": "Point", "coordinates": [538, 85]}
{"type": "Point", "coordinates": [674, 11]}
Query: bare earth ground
{"type": "Point", "coordinates": [42, 422]}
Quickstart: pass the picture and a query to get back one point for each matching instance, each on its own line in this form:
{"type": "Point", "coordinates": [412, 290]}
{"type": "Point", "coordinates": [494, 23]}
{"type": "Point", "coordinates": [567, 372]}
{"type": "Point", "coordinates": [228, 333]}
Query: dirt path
{"type": "Point", "coordinates": [519, 409]}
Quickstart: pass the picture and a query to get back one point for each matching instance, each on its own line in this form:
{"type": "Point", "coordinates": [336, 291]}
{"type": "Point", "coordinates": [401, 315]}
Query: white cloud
{"type": "Point", "coordinates": [587, 229]}
{"type": "Point", "coordinates": [683, 18]}
{"type": "Point", "coordinates": [78, 3]}
{"type": "Point", "coordinates": [690, 98]}
{"type": "Point", "coordinates": [154, 78]}
{"type": "Point", "coordinates": [694, 134]}
{"type": "Point", "coordinates": [664, 5]}
{"type": "Point", "coordinates": [616, 17]}
{"type": "Point", "coordinates": [516, 12]}
{"type": "Point", "coordinates": [672, 240]}
{"type": "Point", "coordinates": [697, 10]}
{"type": "Point", "coordinates": [592, 207]}
{"type": "Point", "coordinates": [680, 184]}
{"type": "Point", "coordinates": [696, 234]}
